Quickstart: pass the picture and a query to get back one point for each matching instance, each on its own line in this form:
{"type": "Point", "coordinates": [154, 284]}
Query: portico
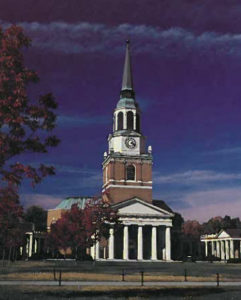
{"type": "Point", "coordinates": [224, 245]}
{"type": "Point", "coordinates": [144, 233]}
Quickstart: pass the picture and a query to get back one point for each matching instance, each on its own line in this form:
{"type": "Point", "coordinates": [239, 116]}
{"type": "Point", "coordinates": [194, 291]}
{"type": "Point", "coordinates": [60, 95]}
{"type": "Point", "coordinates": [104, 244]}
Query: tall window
{"type": "Point", "coordinates": [130, 120]}
{"type": "Point", "coordinates": [120, 121]}
{"type": "Point", "coordinates": [138, 127]}
{"type": "Point", "coordinates": [130, 172]}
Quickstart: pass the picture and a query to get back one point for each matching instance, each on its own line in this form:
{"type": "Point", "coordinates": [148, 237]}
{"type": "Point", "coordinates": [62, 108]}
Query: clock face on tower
{"type": "Point", "coordinates": [130, 143]}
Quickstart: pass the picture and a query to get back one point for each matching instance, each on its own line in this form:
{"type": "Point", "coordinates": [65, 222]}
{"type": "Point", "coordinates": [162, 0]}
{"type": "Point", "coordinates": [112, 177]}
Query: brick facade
{"type": "Point", "coordinates": [114, 177]}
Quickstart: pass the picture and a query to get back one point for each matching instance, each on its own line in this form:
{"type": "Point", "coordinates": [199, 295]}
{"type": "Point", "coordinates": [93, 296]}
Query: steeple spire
{"type": "Point", "coordinates": [127, 90]}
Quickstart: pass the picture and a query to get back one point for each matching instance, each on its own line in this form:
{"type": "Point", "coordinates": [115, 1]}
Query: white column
{"type": "Point", "coordinates": [218, 248]}
{"type": "Point", "coordinates": [116, 121]}
{"type": "Point", "coordinates": [92, 251]}
{"type": "Point", "coordinates": [134, 120]}
{"type": "Point", "coordinates": [140, 243]}
{"type": "Point", "coordinates": [227, 249]}
{"type": "Point", "coordinates": [30, 247]}
{"type": "Point", "coordinates": [222, 250]}
{"type": "Point", "coordinates": [212, 247]}
{"type": "Point", "coordinates": [240, 249]}
{"type": "Point", "coordinates": [35, 245]}
{"type": "Point", "coordinates": [125, 119]}
{"type": "Point", "coordinates": [125, 243]}
{"type": "Point", "coordinates": [231, 249]}
{"type": "Point", "coordinates": [168, 243]}
{"type": "Point", "coordinates": [153, 243]}
{"type": "Point", "coordinates": [97, 250]}
{"type": "Point", "coordinates": [206, 248]}
{"type": "Point", "coordinates": [111, 244]}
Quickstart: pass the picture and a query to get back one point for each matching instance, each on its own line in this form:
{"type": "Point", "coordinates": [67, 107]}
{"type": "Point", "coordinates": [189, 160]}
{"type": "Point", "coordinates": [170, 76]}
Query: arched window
{"type": "Point", "coordinates": [130, 172]}
{"type": "Point", "coordinates": [120, 121]}
{"type": "Point", "coordinates": [138, 127]}
{"type": "Point", "coordinates": [130, 120]}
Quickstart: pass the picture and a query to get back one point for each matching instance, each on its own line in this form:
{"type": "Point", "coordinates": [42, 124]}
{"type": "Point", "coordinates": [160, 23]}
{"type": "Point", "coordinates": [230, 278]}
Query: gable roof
{"type": "Point", "coordinates": [162, 204]}
{"type": "Point", "coordinates": [136, 206]}
{"type": "Point", "coordinates": [232, 232]}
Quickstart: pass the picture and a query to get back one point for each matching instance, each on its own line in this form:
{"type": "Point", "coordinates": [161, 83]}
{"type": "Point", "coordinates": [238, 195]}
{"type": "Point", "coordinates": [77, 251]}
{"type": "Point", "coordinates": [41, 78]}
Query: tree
{"type": "Point", "coordinates": [24, 128]}
{"type": "Point", "coordinates": [38, 216]}
{"type": "Point", "coordinates": [192, 229]}
{"type": "Point", "coordinates": [214, 225]}
{"type": "Point", "coordinates": [23, 122]}
{"type": "Point", "coordinates": [78, 229]}
{"type": "Point", "coordinates": [11, 231]}
{"type": "Point", "coordinates": [176, 236]}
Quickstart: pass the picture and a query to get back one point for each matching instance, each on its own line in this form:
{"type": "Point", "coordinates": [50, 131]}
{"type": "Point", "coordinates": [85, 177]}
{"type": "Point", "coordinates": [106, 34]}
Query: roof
{"type": "Point", "coordinates": [69, 201]}
{"type": "Point", "coordinates": [162, 204]}
{"type": "Point", "coordinates": [233, 232]}
{"type": "Point", "coordinates": [223, 233]}
{"type": "Point", "coordinates": [127, 103]}
{"type": "Point", "coordinates": [137, 206]}
{"type": "Point", "coordinates": [127, 82]}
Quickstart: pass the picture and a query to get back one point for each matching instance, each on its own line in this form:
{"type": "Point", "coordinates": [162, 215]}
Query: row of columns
{"type": "Point", "coordinates": [223, 249]}
{"type": "Point", "coordinates": [33, 244]}
{"type": "Point", "coordinates": [167, 256]}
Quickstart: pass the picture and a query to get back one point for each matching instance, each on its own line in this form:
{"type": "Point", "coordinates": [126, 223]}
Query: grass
{"type": "Point", "coordinates": [70, 292]}
{"type": "Point", "coordinates": [88, 271]}
{"type": "Point", "coordinates": [79, 276]}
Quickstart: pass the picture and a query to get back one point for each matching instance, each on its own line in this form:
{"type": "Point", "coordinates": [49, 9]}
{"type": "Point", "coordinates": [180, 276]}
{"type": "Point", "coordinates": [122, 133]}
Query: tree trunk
{"type": "Point", "coordinates": [14, 254]}
{"type": "Point", "coordinates": [3, 257]}
{"type": "Point", "coordinates": [9, 254]}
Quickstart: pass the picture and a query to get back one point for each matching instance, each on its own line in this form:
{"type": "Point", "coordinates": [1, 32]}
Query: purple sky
{"type": "Point", "coordinates": [186, 58]}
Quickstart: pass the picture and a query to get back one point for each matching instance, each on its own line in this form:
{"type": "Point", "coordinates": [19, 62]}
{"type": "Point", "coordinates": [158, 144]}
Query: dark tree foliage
{"type": "Point", "coordinates": [38, 216]}
{"type": "Point", "coordinates": [176, 236]}
{"type": "Point", "coordinates": [25, 125]}
{"type": "Point", "coordinates": [23, 122]}
{"type": "Point", "coordinates": [215, 224]}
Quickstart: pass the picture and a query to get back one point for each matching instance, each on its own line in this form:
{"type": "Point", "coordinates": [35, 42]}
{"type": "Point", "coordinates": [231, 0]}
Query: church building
{"type": "Point", "coordinates": [145, 231]}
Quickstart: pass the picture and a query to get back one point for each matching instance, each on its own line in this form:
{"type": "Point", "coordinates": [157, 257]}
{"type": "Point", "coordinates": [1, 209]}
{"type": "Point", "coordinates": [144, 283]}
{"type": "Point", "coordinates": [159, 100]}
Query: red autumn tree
{"type": "Point", "coordinates": [24, 125]}
{"type": "Point", "coordinates": [192, 229]}
{"type": "Point", "coordinates": [11, 213]}
{"type": "Point", "coordinates": [79, 229]}
{"type": "Point", "coordinates": [23, 122]}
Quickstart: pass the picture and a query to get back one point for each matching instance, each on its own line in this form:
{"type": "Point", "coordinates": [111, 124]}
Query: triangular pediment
{"type": "Point", "coordinates": [223, 234]}
{"type": "Point", "coordinates": [138, 207]}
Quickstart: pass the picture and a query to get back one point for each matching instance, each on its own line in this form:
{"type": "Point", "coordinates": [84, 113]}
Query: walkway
{"type": "Point", "coordinates": [119, 283]}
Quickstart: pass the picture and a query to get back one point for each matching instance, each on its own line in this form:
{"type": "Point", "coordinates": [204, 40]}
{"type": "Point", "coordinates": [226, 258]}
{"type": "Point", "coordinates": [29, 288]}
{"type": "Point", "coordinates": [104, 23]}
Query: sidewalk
{"type": "Point", "coordinates": [119, 283]}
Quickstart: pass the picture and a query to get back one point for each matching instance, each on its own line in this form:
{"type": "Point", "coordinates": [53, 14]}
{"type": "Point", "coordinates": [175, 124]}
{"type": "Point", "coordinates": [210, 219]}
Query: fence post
{"type": "Point", "coordinates": [142, 278]}
{"type": "Point", "coordinates": [123, 275]}
{"type": "Point", "coordinates": [185, 274]}
{"type": "Point", "coordinates": [60, 277]}
{"type": "Point", "coordinates": [54, 274]}
{"type": "Point", "coordinates": [217, 279]}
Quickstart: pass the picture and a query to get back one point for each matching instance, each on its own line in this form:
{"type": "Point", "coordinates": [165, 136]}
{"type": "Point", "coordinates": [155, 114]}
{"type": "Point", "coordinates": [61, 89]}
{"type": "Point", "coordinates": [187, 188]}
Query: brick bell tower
{"type": "Point", "coordinates": [127, 167]}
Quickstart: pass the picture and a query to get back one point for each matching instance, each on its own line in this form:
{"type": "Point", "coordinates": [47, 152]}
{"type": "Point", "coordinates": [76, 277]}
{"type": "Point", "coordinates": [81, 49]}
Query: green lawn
{"type": "Point", "coordinates": [228, 271]}
{"type": "Point", "coordinates": [112, 271]}
{"type": "Point", "coordinates": [54, 293]}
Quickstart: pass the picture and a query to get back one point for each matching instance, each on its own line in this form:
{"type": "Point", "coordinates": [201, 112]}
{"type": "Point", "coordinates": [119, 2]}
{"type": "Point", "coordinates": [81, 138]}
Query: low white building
{"type": "Point", "coordinates": [225, 245]}
{"type": "Point", "coordinates": [144, 234]}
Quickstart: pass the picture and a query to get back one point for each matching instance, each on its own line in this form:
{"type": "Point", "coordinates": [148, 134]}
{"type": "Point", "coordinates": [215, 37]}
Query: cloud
{"type": "Point", "coordinates": [86, 37]}
{"type": "Point", "coordinates": [196, 176]}
{"type": "Point", "coordinates": [233, 150]}
{"type": "Point", "coordinates": [203, 205]}
{"type": "Point", "coordinates": [43, 200]}
{"type": "Point", "coordinates": [82, 121]}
